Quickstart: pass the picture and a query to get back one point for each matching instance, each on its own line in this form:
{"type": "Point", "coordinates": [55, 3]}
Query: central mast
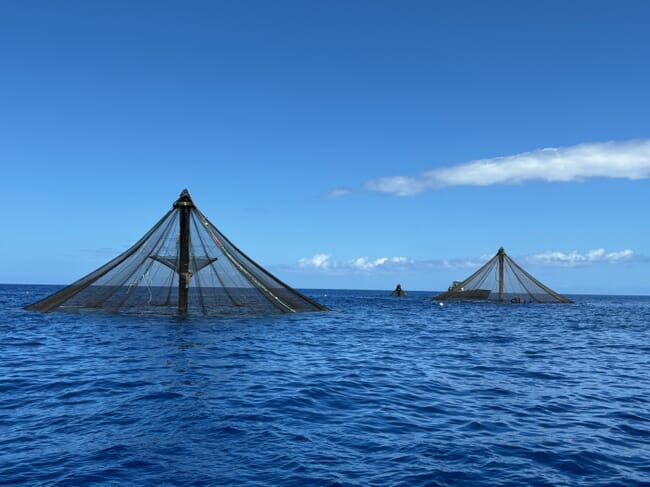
{"type": "Point", "coordinates": [501, 253]}
{"type": "Point", "coordinates": [184, 205]}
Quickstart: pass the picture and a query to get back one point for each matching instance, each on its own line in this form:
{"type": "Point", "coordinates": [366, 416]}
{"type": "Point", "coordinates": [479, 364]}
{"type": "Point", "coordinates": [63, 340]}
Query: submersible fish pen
{"type": "Point", "coordinates": [182, 265]}
{"type": "Point", "coordinates": [502, 280]}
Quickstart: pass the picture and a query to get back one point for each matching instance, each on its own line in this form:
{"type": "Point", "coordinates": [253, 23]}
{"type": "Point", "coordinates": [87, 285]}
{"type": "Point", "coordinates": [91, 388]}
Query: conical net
{"type": "Point", "coordinates": [501, 279]}
{"type": "Point", "coordinates": [184, 264]}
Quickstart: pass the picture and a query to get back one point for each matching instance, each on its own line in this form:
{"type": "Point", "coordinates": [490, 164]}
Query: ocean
{"type": "Point", "coordinates": [380, 391]}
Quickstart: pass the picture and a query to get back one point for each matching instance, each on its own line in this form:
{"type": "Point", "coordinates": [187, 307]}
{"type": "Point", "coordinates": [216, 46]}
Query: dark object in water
{"type": "Point", "coordinates": [183, 265]}
{"type": "Point", "coordinates": [399, 292]}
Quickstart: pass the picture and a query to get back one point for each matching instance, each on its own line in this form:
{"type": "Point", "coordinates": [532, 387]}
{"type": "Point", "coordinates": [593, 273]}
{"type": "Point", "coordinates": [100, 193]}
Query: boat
{"type": "Point", "coordinates": [457, 292]}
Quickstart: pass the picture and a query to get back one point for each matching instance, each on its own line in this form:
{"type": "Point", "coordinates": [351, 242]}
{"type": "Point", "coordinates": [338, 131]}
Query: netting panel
{"type": "Point", "coordinates": [222, 280]}
{"type": "Point", "coordinates": [501, 279]}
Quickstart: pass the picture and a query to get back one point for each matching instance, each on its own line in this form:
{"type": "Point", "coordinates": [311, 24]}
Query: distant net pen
{"type": "Point", "coordinates": [183, 265]}
{"type": "Point", "coordinates": [502, 280]}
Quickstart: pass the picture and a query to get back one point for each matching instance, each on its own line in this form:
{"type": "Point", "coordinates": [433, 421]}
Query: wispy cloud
{"type": "Point", "coordinates": [575, 259]}
{"type": "Point", "coordinates": [318, 261]}
{"type": "Point", "coordinates": [365, 264]}
{"type": "Point", "coordinates": [338, 192]}
{"type": "Point", "coordinates": [628, 160]}
{"type": "Point", "coordinates": [325, 263]}
{"type": "Point", "coordinates": [462, 263]}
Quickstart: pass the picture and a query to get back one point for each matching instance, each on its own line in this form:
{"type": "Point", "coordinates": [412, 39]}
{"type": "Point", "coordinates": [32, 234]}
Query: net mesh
{"type": "Point", "coordinates": [501, 279]}
{"type": "Point", "coordinates": [184, 264]}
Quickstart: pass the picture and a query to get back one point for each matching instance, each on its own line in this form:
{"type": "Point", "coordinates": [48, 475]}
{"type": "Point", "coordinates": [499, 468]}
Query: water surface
{"type": "Point", "coordinates": [380, 391]}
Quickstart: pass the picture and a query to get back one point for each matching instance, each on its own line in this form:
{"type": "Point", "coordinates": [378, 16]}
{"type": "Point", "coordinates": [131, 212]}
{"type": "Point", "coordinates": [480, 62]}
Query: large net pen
{"type": "Point", "coordinates": [183, 265]}
{"type": "Point", "coordinates": [501, 279]}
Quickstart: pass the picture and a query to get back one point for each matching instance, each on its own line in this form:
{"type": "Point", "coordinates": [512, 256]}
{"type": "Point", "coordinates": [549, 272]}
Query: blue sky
{"type": "Point", "coordinates": [341, 144]}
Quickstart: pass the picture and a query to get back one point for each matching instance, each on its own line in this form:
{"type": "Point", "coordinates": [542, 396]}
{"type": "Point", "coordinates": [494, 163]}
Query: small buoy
{"type": "Point", "coordinates": [441, 304]}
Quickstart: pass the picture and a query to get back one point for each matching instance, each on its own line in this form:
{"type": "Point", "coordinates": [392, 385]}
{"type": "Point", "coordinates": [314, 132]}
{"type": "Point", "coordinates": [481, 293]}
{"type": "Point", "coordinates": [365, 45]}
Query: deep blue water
{"type": "Point", "coordinates": [380, 391]}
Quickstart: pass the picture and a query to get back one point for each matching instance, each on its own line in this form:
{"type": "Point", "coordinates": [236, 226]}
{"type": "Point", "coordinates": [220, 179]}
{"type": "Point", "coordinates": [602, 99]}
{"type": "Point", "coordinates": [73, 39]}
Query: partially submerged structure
{"type": "Point", "coordinates": [502, 280]}
{"type": "Point", "coordinates": [183, 265]}
{"type": "Point", "coordinates": [399, 292]}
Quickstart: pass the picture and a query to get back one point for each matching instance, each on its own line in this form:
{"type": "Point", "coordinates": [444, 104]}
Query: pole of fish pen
{"type": "Point", "coordinates": [184, 204]}
{"type": "Point", "coordinates": [501, 253]}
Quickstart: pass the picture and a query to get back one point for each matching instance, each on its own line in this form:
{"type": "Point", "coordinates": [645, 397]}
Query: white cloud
{"type": "Point", "coordinates": [364, 264]}
{"type": "Point", "coordinates": [465, 263]}
{"type": "Point", "coordinates": [575, 259]}
{"type": "Point", "coordinates": [627, 160]}
{"type": "Point", "coordinates": [325, 263]}
{"type": "Point", "coordinates": [318, 261]}
{"type": "Point", "coordinates": [399, 185]}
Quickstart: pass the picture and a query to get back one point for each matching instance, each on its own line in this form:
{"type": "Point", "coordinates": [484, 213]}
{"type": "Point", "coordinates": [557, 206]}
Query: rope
{"type": "Point", "coordinates": [241, 268]}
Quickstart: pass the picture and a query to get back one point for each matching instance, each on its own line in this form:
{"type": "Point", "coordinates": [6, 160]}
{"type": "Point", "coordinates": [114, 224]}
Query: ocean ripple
{"type": "Point", "coordinates": [380, 391]}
